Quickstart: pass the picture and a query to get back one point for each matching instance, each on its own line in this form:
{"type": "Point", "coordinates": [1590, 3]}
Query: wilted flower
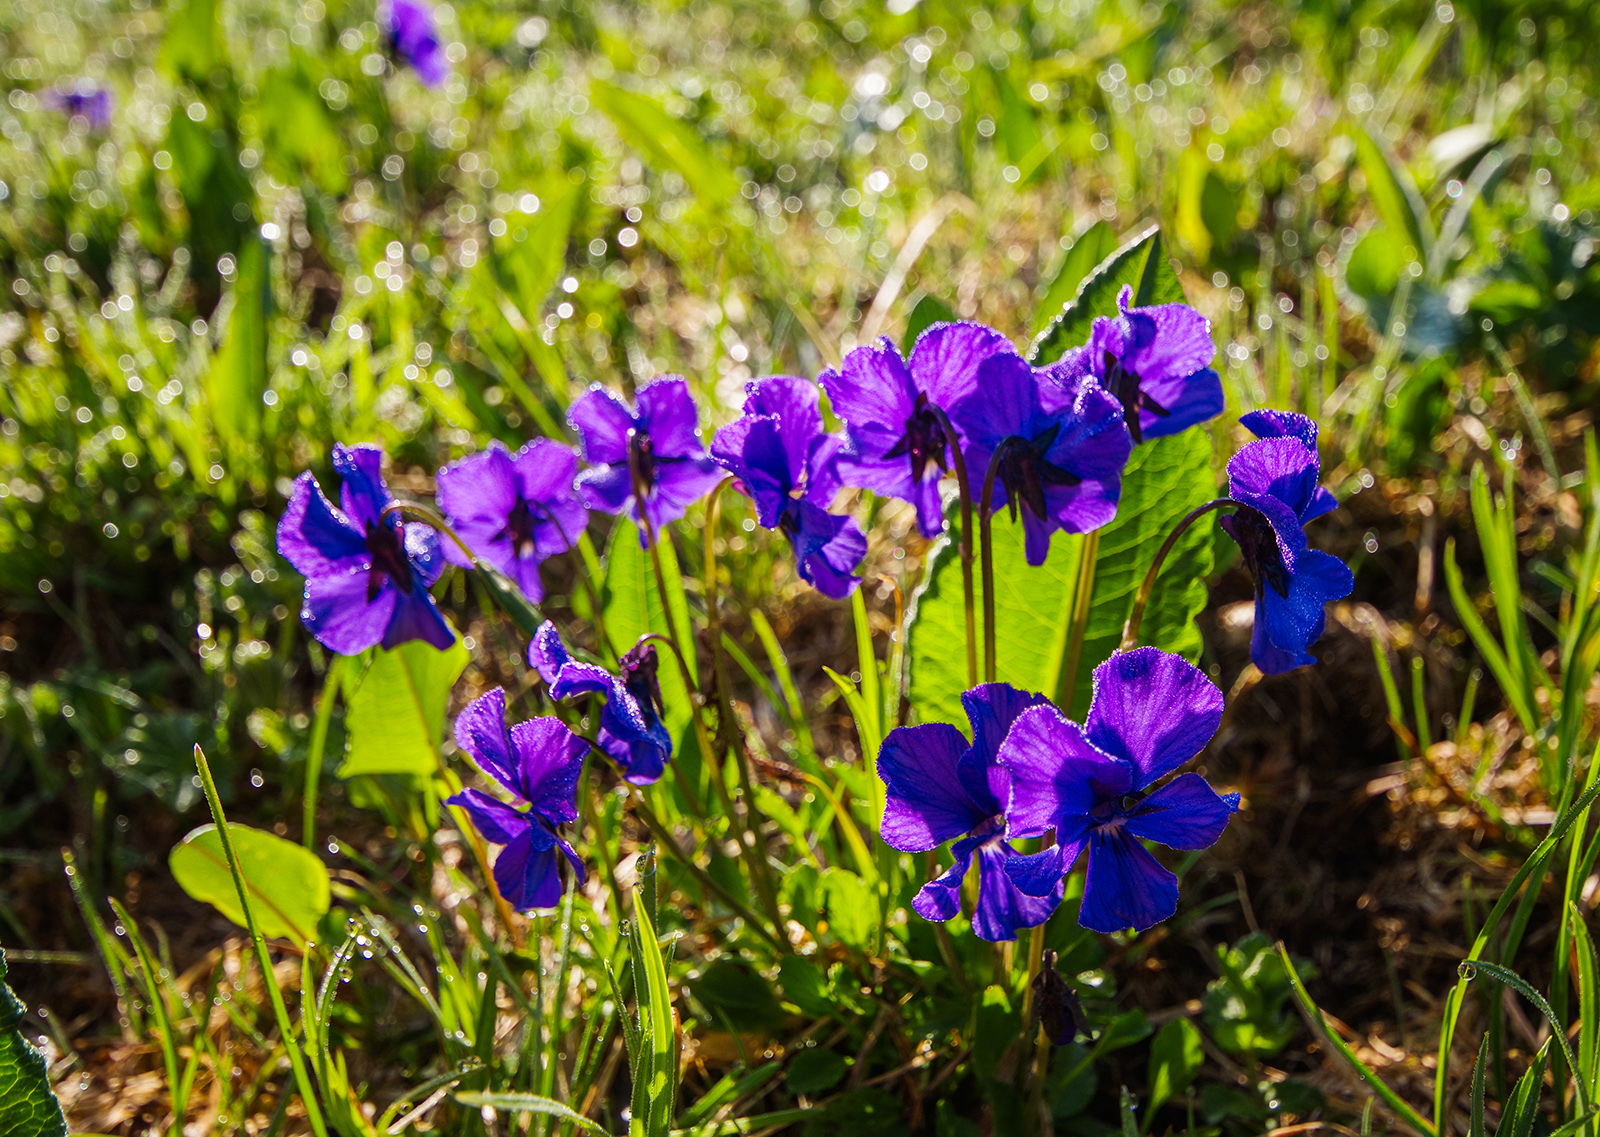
{"type": "Point", "coordinates": [1155, 361]}
{"type": "Point", "coordinates": [1275, 481]}
{"type": "Point", "coordinates": [415, 38]}
{"type": "Point", "coordinates": [940, 787]}
{"type": "Point", "coordinates": [1055, 1003]}
{"type": "Point", "coordinates": [1060, 441]}
{"type": "Point", "coordinates": [367, 574]}
{"type": "Point", "coordinates": [898, 445]}
{"type": "Point", "coordinates": [654, 450]}
{"type": "Point", "coordinates": [537, 762]}
{"type": "Point", "coordinates": [1151, 713]}
{"type": "Point", "coordinates": [631, 731]}
{"type": "Point", "coordinates": [83, 99]}
{"type": "Point", "coordinates": [784, 461]}
{"type": "Point", "coordinates": [514, 510]}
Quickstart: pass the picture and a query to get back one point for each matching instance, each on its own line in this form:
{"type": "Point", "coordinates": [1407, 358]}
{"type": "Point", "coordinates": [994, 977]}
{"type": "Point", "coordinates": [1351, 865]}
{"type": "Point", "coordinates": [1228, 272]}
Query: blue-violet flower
{"type": "Point", "coordinates": [1275, 481]}
{"type": "Point", "coordinates": [1151, 713]}
{"type": "Point", "coordinates": [538, 763]}
{"type": "Point", "coordinates": [785, 462]}
{"type": "Point", "coordinates": [415, 38]}
{"type": "Point", "coordinates": [367, 573]}
{"type": "Point", "coordinates": [514, 510]}
{"type": "Point", "coordinates": [83, 99]}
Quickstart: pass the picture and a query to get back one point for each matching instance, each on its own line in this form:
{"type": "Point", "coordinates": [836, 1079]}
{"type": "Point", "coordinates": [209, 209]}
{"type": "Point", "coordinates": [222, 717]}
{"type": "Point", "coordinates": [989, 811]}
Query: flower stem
{"type": "Point", "coordinates": [1082, 597]}
{"type": "Point", "coordinates": [319, 743]}
{"type": "Point", "coordinates": [986, 554]}
{"type": "Point", "coordinates": [1130, 630]}
{"type": "Point", "coordinates": [1041, 1057]}
{"type": "Point", "coordinates": [964, 486]}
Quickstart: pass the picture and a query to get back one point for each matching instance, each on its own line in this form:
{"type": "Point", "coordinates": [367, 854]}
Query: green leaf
{"type": "Point", "coordinates": [814, 1071]}
{"type": "Point", "coordinates": [297, 130]}
{"type": "Point", "coordinates": [28, 1108]}
{"type": "Point", "coordinates": [1394, 194]}
{"type": "Point", "coordinates": [804, 984]}
{"type": "Point", "coordinates": [528, 1103]}
{"type": "Point", "coordinates": [1522, 1108]}
{"type": "Point", "coordinates": [1093, 246]}
{"type": "Point", "coordinates": [193, 45]}
{"type": "Point", "coordinates": [668, 142]}
{"type": "Point", "coordinates": [997, 1027]}
{"type": "Point", "coordinates": [288, 885]}
{"type": "Point", "coordinates": [732, 989]}
{"type": "Point", "coordinates": [852, 908]}
{"type": "Point", "coordinates": [394, 718]}
{"type": "Point", "coordinates": [238, 375]}
{"type": "Point", "coordinates": [927, 311]}
{"type": "Point", "coordinates": [1175, 1057]}
{"type": "Point", "coordinates": [1140, 264]}
{"type": "Point", "coordinates": [654, 1093]}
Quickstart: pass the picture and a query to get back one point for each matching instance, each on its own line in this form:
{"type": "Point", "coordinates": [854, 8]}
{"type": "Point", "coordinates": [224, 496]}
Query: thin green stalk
{"type": "Point", "coordinates": [986, 557]}
{"type": "Point", "coordinates": [1082, 598]}
{"type": "Point", "coordinates": [280, 1012]}
{"type": "Point", "coordinates": [319, 742]}
{"type": "Point", "coordinates": [964, 488]}
{"type": "Point", "coordinates": [1130, 630]}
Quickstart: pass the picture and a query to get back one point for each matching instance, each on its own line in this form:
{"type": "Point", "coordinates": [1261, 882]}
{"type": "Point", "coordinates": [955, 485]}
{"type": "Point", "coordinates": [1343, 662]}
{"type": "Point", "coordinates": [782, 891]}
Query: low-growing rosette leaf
{"type": "Point", "coordinates": [28, 1107]}
{"type": "Point", "coordinates": [289, 888]}
{"type": "Point", "coordinates": [394, 716]}
{"type": "Point", "coordinates": [1141, 264]}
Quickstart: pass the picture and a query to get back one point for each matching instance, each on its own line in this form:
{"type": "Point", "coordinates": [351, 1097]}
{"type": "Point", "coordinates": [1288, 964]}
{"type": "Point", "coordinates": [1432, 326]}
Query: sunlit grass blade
{"type": "Point", "coordinates": [529, 1103]}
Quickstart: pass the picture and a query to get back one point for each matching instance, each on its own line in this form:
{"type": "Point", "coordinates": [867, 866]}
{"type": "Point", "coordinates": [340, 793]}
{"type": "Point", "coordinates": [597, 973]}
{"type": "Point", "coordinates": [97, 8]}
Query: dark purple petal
{"type": "Point", "coordinates": [416, 40]}
{"type": "Point", "coordinates": [1124, 886]}
{"type": "Point", "coordinates": [679, 485]}
{"type": "Point", "coordinates": [546, 653]}
{"type": "Point", "coordinates": [1056, 773]}
{"type": "Point", "coordinates": [1165, 341]}
{"type": "Point", "coordinates": [529, 875]}
{"type": "Point", "coordinates": [946, 359]}
{"type": "Point", "coordinates": [1281, 424]}
{"type": "Point", "coordinates": [337, 612]}
{"type": "Point", "coordinates": [1152, 709]}
{"type": "Point", "coordinates": [753, 450]}
{"type": "Point", "coordinates": [1039, 874]}
{"type": "Point", "coordinates": [827, 548]}
{"type": "Point", "coordinates": [547, 471]}
{"type": "Point", "coordinates": [1186, 813]}
{"type": "Point", "coordinates": [602, 420]}
{"type": "Point", "coordinates": [633, 737]}
{"type": "Point", "coordinates": [497, 821]}
{"type": "Point", "coordinates": [871, 391]}
{"type": "Point", "coordinates": [315, 538]}
{"type": "Point", "coordinates": [668, 413]}
{"type": "Point", "coordinates": [940, 898]}
{"type": "Point", "coordinates": [1003, 909]}
{"type": "Point", "coordinates": [417, 617]}
{"type": "Point", "coordinates": [892, 477]}
{"type": "Point", "coordinates": [607, 488]}
{"type": "Point", "coordinates": [1277, 477]}
{"type": "Point", "coordinates": [793, 402]}
{"type": "Point", "coordinates": [477, 495]}
{"type": "Point", "coordinates": [549, 758]}
{"type": "Point", "coordinates": [1286, 626]}
{"type": "Point", "coordinates": [481, 733]}
{"type": "Point", "coordinates": [1001, 402]}
{"type": "Point", "coordinates": [423, 551]}
{"type": "Point", "coordinates": [1188, 401]}
{"type": "Point", "coordinates": [991, 708]}
{"type": "Point", "coordinates": [581, 679]}
{"type": "Point", "coordinates": [363, 494]}
{"type": "Point", "coordinates": [926, 804]}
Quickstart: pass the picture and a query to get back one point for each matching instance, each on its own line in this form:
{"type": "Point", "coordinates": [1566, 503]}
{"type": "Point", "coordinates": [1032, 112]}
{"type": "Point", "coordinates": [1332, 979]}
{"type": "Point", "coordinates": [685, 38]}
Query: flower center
{"type": "Point", "coordinates": [1259, 544]}
{"type": "Point", "coordinates": [641, 461]}
{"type": "Point", "coordinates": [389, 560]}
{"type": "Point", "coordinates": [1025, 472]}
{"type": "Point", "coordinates": [519, 528]}
{"type": "Point", "coordinates": [924, 440]}
{"type": "Point", "coordinates": [1123, 386]}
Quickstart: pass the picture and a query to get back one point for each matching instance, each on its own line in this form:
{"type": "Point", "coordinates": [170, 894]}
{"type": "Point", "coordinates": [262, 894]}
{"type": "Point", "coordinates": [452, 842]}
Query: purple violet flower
{"type": "Point", "coordinates": [538, 763]}
{"type": "Point", "coordinates": [631, 731]}
{"type": "Point", "coordinates": [82, 99]}
{"type": "Point", "coordinates": [514, 510]}
{"type": "Point", "coordinates": [785, 462]}
{"type": "Point", "coordinates": [656, 447]}
{"type": "Point", "coordinates": [1275, 481]}
{"type": "Point", "coordinates": [367, 574]}
{"type": "Point", "coordinates": [940, 787]}
{"type": "Point", "coordinates": [1061, 441]}
{"type": "Point", "coordinates": [1155, 361]}
{"type": "Point", "coordinates": [898, 446]}
{"type": "Point", "coordinates": [415, 38]}
{"type": "Point", "coordinates": [1151, 713]}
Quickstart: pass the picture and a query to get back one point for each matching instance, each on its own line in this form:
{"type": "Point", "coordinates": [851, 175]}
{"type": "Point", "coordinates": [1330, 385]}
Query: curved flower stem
{"type": "Point", "coordinates": [1130, 630]}
{"type": "Point", "coordinates": [596, 616]}
{"type": "Point", "coordinates": [1032, 1120]}
{"type": "Point", "coordinates": [1082, 597]}
{"type": "Point", "coordinates": [433, 518]}
{"type": "Point", "coordinates": [964, 486]}
{"type": "Point", "coordinates": [986, 553]}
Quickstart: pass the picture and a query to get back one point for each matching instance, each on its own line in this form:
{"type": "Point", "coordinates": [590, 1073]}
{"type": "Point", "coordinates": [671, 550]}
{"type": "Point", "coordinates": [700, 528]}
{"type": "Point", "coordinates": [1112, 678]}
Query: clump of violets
{"type": "Point", "coordinates": [1092, 784]}
{"type": "Point", "coordinates": [368, 574]}
{"type": "Point", "coordinates": [1275, 481]}
{"type": "Point", "coordinates": [785, 462]}
{"type": "Point", "coordinates": [631, 732]}
{"type": "Point", "coordinates": [1155, 362]}
{"type": "Point", "coordinates": [1057, 444]}
{"type": "Point", "coordinates": [940, 788]}
{"type": "Point", "coordinates": [414, 37]}
{"type": "Point", "coordinates": [537, 764]}
{"type": "Point", "coordinates": [514, 510]}
{"type": "Point", "coordinates": [83, 99]}
{"type": "Point", "coordinates": [899, 441]}
{"type": "Point", "coordinates": [646, 461]}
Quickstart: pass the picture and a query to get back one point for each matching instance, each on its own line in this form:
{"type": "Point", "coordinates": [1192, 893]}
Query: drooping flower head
{"type": "Point", "coordinates": [82, 99]}
{"type": "Point", "coordinates": [785, 462]}
{"type": "Point", "coordinates": [367, 573]}
{"type": "Point", "coordinates": [940, 788]}
{"type": "Point", "coordinates": [514, 510]}
{"type": "Point", "coordinates": [631, 731]}
{"type": "Point", "coordinates": [1155, 361]}
{"type": "Point", "coordinates": [898, 445]}
{"type": "Point", "coordinates": [414, 37]}
{"type": "Point", "coordinates": [1151, 713]}
{"type": "Point", "coordinates": [537, 762]}
{"type": "Point", "coordinates": [654, 448]}
{"type": "Point", "coordinates": [1060, 441]}
{"type": "Point", "coordinates": [1275, 480]}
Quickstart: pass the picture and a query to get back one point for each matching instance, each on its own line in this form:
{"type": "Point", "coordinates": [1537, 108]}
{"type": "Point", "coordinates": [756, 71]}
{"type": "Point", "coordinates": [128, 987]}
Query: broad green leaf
{"type": "Point", "coordinates": [732, 990]}
{"type": "Point", "coordinates": [631, 604]}
{"type": "Point", "coordinates": [852, 909]}
{"type": "Point", "coordinates": [1175, 1057]}
{"type": "Point", "coordinates": [1141, 264]}
{"type": "Point", "coordinates": [394, 716]}
{"type": "Point", "coordinates": [1094, 245]}
{"type": "Point", "coordinates": [1394, 194]}
{"type": "Point", "coordinates": [804, 984]}
{"type": "Point", "coordinates": [927, 311]}
{"type": "Point", "coordinates": [1164, 480]}
{"type": "Point", "coordinates": [668, 142]}
{"type": "Point", "coordinates": [528, 1103]}
{"type": "Point", "coordinates": [815, 1070]}
{"type": "Point", "coordinates": [288, 885]}
{"type": "Point", "coordinates": [28, 1107]}
{"type": "Point", "coordinates": [238, 375]}
{"type": "Point", "coordinates": [193, 44]}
